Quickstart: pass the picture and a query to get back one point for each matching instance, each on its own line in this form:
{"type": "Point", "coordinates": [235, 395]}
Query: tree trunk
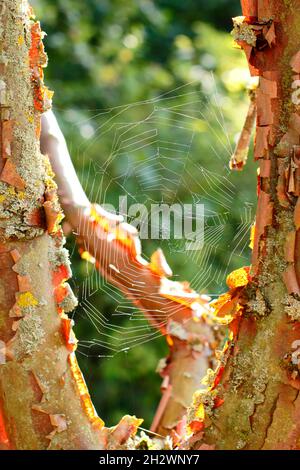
{"type": "Point", "coordinates": [253, 399]}
{"type": "Point", "coordinates": [44, 402]}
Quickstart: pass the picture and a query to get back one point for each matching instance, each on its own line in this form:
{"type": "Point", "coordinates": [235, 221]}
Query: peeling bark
{"type": "Point", "coordinates": [252, 398]}
{"type": "Point", "coordinates": [44, 402]}
{"type": "Point", "coordinates": [257, 381]}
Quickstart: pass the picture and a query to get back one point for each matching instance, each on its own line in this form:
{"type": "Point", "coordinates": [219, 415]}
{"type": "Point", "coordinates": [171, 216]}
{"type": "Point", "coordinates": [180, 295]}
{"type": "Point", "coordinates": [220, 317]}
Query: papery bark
{"type": "Point", "coordinates": [44, 402]}
{"type": "Point", "coordinates": [253, 400]}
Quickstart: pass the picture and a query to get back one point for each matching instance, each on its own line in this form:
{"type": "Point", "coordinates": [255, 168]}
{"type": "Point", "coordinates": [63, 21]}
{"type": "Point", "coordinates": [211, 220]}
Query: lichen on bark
{"type": "Point", "coordinates": [44, 402]}
{"type": "Point", "coordinates": [256, 381]}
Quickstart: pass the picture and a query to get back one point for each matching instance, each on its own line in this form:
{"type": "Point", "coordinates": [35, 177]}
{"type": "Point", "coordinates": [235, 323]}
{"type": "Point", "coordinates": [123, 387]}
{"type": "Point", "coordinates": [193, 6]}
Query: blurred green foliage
{"type": "Point", "coordinates": [104, 55]}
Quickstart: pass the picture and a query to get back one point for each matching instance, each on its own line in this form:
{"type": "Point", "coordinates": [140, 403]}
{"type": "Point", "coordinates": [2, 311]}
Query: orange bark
{"type": "Point", "coordinates": [44, 402]}
{"type": "Point", "coordinates": [257, 381]}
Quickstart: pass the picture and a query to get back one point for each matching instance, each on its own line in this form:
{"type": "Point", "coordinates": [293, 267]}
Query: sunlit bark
{"type": "Point", "coordinates": [253, 400]}
{"type": "Point", "coordinates": [44, 402]}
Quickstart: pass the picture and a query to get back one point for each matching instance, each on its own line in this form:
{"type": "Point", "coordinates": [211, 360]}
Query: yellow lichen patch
{"type": "Point", "coordinates": [53, 216]}
{"type": "Point", "coordinates": [59, 218]}
{"type": "Point", "coordinates": [197, 416]}
{"type": "Point", "coordinates": [26, 299]}
{"type": "Point", "coordinates": [21, 195]}
{"type": "Point", "coordinates": [252, 234]}
{"type": "Point", "coordinates": [238, 278]}
{"type": "Point", "coordinates": [11, 191]}
{"type": "Point", "coordinates": [49, 172]}
{"type": "Point", "coordinates": [2, 198]}
{"type": "Point", "coordinates": [29, 118]}
{"type": "Point", "coordinates": [200, 412]}
{"type": "Point", "coordinates": [20, 40]}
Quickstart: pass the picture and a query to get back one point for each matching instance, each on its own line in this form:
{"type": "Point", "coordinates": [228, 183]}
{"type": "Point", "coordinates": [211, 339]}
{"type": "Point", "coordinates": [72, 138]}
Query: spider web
{"type": "Point", "coordinates": [173, 149]}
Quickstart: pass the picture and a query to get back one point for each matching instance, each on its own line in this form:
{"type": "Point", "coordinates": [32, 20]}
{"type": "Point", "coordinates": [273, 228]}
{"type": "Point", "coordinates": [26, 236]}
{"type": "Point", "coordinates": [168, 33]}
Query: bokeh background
{"type": "Point", "coordinates": [103, 55]}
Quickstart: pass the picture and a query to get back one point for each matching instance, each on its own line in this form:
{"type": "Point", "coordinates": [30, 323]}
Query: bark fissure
{"type": "Point", "coordinates": [272, 411]}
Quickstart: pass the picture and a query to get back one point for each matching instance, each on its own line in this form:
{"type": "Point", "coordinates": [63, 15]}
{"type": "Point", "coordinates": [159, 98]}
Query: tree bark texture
{"type": "Point", "coordinates": [252, 400]}
{"type": "Point", "coordinates": [44, 402]}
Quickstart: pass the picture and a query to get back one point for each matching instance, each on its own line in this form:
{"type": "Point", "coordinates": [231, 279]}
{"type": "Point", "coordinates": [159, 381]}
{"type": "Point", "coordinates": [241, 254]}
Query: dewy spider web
{"type": "Point", "coordinates": [173, 149]}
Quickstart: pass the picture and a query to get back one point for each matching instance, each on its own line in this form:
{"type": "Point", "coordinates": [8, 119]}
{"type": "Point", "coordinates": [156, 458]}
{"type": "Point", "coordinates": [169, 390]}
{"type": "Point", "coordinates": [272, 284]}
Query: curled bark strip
{"type": "Point", "coordinates": [192, 347]}
{"type": "Point", "coordinates": [160, 298]}
{"type": "Point", "coordinates": [294, 171]}
{"type": "Point", "coordinates": [239, 157]}
{"type": "Point", "coordinates": [83, 393]}
{"type": "Point", "coordinates": [265, 168]}
{"type": "Point", "coordinates": [172, 307]}
{"type": "Point", "coordinates": [254, 34]}
{"type": "Point", "coordinates": [114, 248]}
{"type": "Point", "coordinates": [159, 265]}
{"type": "Point", "coordinates": [256, 377]}
{"type": "Point", "coordinates": [264, 217]}
{"type": "Point", "coordinates": [287, 142]}
{"type": "Point", "coordinates": [271, 36]}
{"type": "Point", "coordinates": [261, 141]}
{"type": "Point", "coordinates": [264, 108]}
